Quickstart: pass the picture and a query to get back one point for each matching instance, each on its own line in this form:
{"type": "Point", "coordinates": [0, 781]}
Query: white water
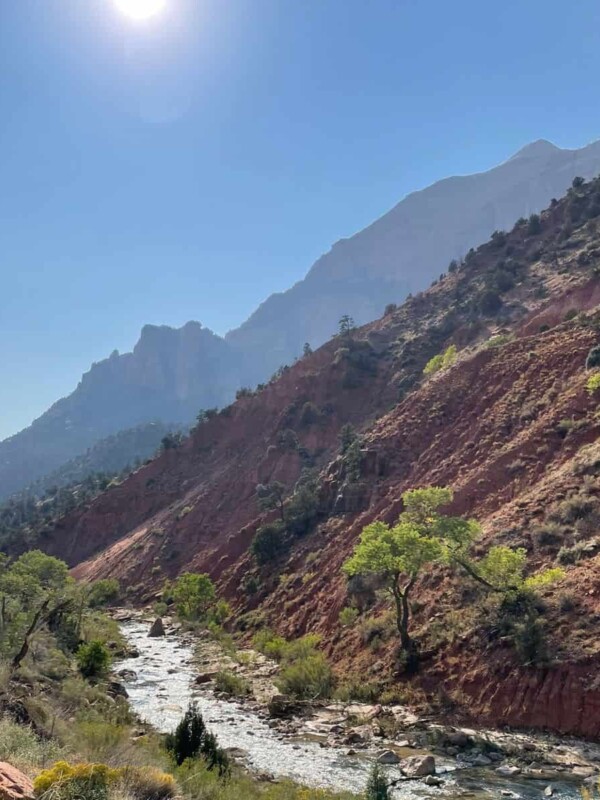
{"type": "Point", "coordinates": [164, 686]}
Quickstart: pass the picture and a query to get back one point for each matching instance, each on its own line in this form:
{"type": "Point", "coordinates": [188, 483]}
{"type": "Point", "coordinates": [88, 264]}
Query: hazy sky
{"type": "Point", "coordinates": [187, 166]}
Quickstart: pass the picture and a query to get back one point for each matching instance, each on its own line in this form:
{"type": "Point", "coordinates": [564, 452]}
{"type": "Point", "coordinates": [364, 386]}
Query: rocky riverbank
{"type": "Point", "coordinates": [417, 748]}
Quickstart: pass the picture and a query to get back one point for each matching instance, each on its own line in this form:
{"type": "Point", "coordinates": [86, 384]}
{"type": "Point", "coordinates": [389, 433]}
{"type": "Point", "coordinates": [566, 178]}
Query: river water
{"type": "Point", "coordinates": [165, 685]}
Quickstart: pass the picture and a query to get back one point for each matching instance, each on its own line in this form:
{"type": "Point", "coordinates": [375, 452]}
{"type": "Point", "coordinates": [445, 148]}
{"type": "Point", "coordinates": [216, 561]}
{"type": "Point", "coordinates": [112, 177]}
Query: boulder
{"type": "Point", "coordinates": [284, 707]}
{"type": "Point", "coordinates": [157, 628]}
{"type": "Point", "coordinates": [127, 674]}
{"type": "Point", "coordinates": [353, 737]}
{"type": "Point", "coordinates": [14, 785]}
{"type": "Point", "coordinates": [418, 766]}
{"type": "Point", "coordinates": [508, 771]}
{"type": "Point", "coordinates": [205, 677]}
{"type": "Point", "coordinates": [116, 689]}
{"type": "Point", "coordinates": [388, 757]}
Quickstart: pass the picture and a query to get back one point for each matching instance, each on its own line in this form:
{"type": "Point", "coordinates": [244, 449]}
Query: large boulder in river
{"type": "Point", "coordinates": [14, 785]}
{"type": "Point", "coordinates": [418, 766]}
{"type": "Point", "coordinates": [157, 629]}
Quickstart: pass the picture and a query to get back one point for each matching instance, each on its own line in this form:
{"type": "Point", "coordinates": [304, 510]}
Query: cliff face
{"type": "Point", "coordinates": [510, 426]}
{"type": "Point", "coordinates": [172, 374]}
{"type": "Point", "coordinates": [163, 378]}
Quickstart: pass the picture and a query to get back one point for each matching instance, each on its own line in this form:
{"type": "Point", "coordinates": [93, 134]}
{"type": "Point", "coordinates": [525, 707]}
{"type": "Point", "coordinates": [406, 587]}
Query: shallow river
{"type": "Point", "coordinates": [164, 686]}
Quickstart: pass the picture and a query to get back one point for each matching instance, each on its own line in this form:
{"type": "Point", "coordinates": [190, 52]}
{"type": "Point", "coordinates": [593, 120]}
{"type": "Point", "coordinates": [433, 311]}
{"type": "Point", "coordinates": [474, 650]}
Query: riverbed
{"type": "Point", "coordinates": [164, 685]}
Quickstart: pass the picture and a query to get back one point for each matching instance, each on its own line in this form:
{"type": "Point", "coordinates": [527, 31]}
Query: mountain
{"type": "Point", "coordinates": [166, 377]}
{"type": "Point", "coordinates": [406, 249]}
{"type": "Point", "coordinates": [171, 374]}
{"type": "Point", "coordinates": [508, 418]}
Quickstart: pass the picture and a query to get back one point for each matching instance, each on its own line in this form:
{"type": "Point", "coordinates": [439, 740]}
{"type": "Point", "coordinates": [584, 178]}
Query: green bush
{"type": "Point", "coordinates": [441, 361]}
{"type": "Point", "coordinates": [269, 543]}
{"type": "Point", "coordinates": [93, 659]}
{"type": "Point", "coordinates": [348, 616]}
{"type": "Point", "coordinates": [307, 678]}
{"type": "Point", "coordinates": [103, 592]}
{"type": "Point", "coordinates": [232, 684]}
{"type": "Point", "coordinates": [593, 383]}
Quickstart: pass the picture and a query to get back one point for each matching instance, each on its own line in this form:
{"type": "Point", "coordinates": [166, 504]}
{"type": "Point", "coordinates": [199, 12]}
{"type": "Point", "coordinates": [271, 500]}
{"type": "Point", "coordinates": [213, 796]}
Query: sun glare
{"type": "Point", "coordinates": [140, 9]}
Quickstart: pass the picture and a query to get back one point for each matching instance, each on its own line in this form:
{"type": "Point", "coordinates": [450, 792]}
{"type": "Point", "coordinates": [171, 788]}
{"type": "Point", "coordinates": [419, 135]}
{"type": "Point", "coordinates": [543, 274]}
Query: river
{"type": "Point", "coordinates": [164, 685]}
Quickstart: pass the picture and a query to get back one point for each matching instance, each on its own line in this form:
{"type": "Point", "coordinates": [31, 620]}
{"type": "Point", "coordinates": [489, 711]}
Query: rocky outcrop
{"type": "Point", "coordinates": [14, 785]}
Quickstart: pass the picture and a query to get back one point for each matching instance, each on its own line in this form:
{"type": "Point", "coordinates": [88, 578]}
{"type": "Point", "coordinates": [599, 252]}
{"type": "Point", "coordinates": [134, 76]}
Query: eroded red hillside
{"type": "Point", "coordinates": [507, 427]}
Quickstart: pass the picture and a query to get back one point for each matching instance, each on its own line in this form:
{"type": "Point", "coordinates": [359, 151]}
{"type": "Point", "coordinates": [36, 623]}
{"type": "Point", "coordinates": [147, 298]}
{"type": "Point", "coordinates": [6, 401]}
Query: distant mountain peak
{"type": "Point", "coordinates": [537, 149]}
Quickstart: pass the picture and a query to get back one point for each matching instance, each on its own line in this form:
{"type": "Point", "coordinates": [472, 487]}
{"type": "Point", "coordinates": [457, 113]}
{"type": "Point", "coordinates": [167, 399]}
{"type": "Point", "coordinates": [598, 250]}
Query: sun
{"type": "Point", "coordinates": [140, 9]}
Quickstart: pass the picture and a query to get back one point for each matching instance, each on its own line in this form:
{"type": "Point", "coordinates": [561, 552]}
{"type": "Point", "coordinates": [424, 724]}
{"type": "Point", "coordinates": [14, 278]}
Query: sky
{"type": "Point", "coordinates": [188, 165]}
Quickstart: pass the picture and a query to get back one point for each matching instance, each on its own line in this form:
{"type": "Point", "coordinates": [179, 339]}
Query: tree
{"type": "Point", "coordinates": [377, 787]}
{"type": "Point", "coordinates": [346, 325]}
{"type": "Point", "coordinates": [307, 349]}
{"type": "Point", "coordinates": [190, 739]}
{"type": "Point", "coordinates": [194, 595]}
{"type": "Point", "coordinates": [347, 436]}
{"type": "Point", "coordinates": [268, 543]}
{"type": "Point", "coordinates": [400, 553]}
{"type": "Point", "coordinates": [271, 496]}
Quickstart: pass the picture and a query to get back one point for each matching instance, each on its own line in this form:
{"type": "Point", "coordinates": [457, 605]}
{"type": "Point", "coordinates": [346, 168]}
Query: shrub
{"type": "Point", "coordinates": [570, 555]}
{"type": "Point", "coordinates": [593, 358]}
{"type": "Point", "coordinates": [490, 302]}
{"type": "Point", "coordinates": [593, 383]}
{"type": "Point", "coordinates": [499, 340]}
{"type": "Point", "coordinates": [548, 534]}
{"type": "Point", "coordinates": [441, 361]}
{"type": "Point", "coordinates": [309, 415]}
{"type": "Point", "coordinates": [103, 592]}
{"type": "Point", "coordinates": [389, 309]}
{"type": "Point", "coordinates": [232, 684]}
{"type": "Point", "coordinates": [571, 510]}
{"type": "Point", "coordinates": [348, 616]}
{"type": "Point", "coordinates": [357, 690]}
{"type": "Point", "coordinates": [307, 678]}
{"type": "Point", "coordinates": [93, 659]}
{"type": "Point", "coordinates": [146, 783]}
{"type": "Point", "coordinates": [571, 314]}
{"type": "Point", "coordinates": [530, 641]}
{"type": "Point", "coordinates": [67, 782]}
{"type": "Point", "coordinates": [269, 543]}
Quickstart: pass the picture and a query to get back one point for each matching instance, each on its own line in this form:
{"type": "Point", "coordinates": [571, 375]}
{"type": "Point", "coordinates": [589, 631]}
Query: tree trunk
{"type": "Point", "coordinates": [28, 634]}
{"type": "Point", "coordinates": [401, 597]}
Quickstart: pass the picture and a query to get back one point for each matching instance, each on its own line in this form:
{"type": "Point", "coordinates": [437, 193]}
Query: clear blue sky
{"type": "Point", "coordinates": [188, 166]}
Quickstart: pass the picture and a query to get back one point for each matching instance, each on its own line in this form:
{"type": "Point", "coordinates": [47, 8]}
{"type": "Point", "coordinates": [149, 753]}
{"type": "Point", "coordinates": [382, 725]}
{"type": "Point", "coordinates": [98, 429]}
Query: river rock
{"type": "Point", "coordinates": [283, 707]}
{"type": "Point", "coordinates": [432, 780]}
{"type": "Point", "coordinates": [388, 757]}
{"type": "Point", "coordinates": [353, 737]}
{"type": "Point", "coordinates": [157, 628]}
{"type": "Point", "coordinates": [116, 689]}
{"type": "Point", "coordinates": [14, 785]}
{"type": "Point", "coordinates": [418, 766]}
{"type": "Point", "coordinates": [548, 791]}
{"type": "Point", "coordinates": [205, 677]}
{"type": "Point", "coordinates": [508, 771]}
{"type": "Point", "coordinates": [127, 674]}
{"type": "Point", "coordinates": [481, 761]}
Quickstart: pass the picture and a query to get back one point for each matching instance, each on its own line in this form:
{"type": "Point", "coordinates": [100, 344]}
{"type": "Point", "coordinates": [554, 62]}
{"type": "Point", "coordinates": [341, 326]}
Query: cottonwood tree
{"type": "Point", "coordinates": [423, 538]}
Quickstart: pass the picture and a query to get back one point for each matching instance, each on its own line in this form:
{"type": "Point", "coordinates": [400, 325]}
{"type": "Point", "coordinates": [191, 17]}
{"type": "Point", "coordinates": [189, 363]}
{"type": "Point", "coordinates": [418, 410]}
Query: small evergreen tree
{"type": "Point", "coordinates": [377, 787]}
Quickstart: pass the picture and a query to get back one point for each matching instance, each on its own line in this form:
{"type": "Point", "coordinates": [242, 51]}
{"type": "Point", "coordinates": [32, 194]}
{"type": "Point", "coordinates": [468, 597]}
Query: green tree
{"type": "Point", "coordinates": [377, 787]}
{"type": "Point", "coordinates": [194, 595]}
{"type": "Point", "coordinates": [307, 349]}
{"type": "Point", "coordinates": [269, 543]}
{"type": "Point", "coordinates": [271, 496]}
{"type": "Point", "coordinates": [345, 325]}
{"type": "Point", "coordinates": [421, 538]}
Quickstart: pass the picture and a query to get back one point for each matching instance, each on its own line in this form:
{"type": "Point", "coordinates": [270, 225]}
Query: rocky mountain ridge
{"type": "Point", "coordinates": [172, 374]}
